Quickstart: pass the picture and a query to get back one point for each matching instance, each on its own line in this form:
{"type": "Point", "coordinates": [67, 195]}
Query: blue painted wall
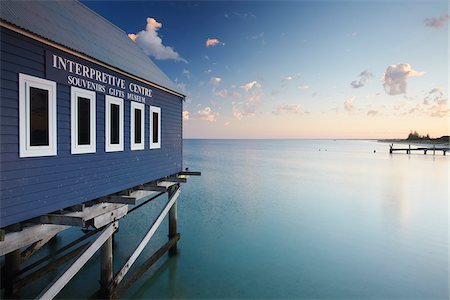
{"type": "Point", "coordinates": [30, 187]}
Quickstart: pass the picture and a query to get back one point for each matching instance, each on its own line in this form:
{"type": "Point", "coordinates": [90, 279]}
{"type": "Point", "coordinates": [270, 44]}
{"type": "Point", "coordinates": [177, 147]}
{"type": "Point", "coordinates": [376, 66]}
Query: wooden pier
{"type": "Point", "coordinates": [408, 150]}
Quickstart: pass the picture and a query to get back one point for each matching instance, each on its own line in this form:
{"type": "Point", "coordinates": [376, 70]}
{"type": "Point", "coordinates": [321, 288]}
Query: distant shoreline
{"type": "Point", "coordinates": [415, 142]}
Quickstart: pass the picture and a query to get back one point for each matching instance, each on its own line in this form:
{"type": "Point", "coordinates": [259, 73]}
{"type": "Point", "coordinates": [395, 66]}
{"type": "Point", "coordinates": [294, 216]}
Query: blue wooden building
{"type": "Point", "coordinates": [84, 113]}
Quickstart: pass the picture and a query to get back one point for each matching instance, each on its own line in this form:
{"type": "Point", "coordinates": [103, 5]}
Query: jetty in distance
{"type": "Point", "coordinates": [434, 149]}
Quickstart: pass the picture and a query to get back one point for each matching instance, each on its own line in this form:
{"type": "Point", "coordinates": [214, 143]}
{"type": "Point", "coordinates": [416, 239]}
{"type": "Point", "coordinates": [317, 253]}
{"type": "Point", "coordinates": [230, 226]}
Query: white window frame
{"type": "Point", "coordinates": [75, 148]}
{"type": "Point", "coordinates": [158, 144]}
{"type": "Point", "coordinates": [108, 146]}
{"type": "Point", "coordinates": [141, 107]}
{"type": "Point", "coordinates": [25, 149]}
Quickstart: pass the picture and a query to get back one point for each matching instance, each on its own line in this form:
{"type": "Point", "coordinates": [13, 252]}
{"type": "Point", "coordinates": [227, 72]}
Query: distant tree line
{"type": "Point", "coordinates": [415, 136]}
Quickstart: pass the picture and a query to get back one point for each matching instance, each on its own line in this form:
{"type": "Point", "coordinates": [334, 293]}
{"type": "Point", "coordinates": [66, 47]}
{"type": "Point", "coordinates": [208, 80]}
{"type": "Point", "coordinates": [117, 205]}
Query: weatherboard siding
{"type": "Point", "coordinates": [37, 185]}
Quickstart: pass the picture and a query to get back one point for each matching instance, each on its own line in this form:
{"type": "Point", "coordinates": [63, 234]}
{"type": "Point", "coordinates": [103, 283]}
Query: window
{"type": "Point", "coordinates": [137, 126]}
{"type": "Point", "coordinates": [82, 121]}
{"type": "Point", "coordinates": [155, 127]}
{"type": "Point", "coordinates": [37, 116]}
{"type": "Point", "coordinates": [113, 124]}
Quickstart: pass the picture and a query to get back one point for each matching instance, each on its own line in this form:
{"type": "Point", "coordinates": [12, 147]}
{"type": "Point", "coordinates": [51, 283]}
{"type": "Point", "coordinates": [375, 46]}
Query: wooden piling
{"type": "Point", "coordinates": [173, 250]}
{"type": "Point", "coordinates": [12, 267]}
{"type": "Point", "coordinates": [106, 268]}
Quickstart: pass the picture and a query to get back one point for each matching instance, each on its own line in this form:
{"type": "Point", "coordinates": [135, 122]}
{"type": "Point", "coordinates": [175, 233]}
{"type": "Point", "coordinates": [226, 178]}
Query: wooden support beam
{"type": "Point", "coordinates": [176, 179]}
{"type": "Point", "coordinates": [12, 267]}
{"type": "Point", "coordinates": [144, 267]}
{"type": "Point", "coordinates": [173, 221]}
{"type": "Point", "coordinates": [153, 187]}
{"type": "Point", "coordinates": [156, 195]}
{"type": "Point", "coordinates": [60, 282]}
{"type": "Point", "coordinates": [105, 212]}
{"type": "Point", "coordinates": [57, 252]}
{"type": "Point", "coordinates": [29, 235]}
{"type": "Point", "coordinates": [190, 173]}
{"type": "Point", "coordinates": [58, 219]}
{"type": "Point", "coordinates": [35, 247]}
{"type": "Point", "coordinates": [119, 199]}
{"type": "Point", "coordinates": [126, 267]}
{"type": "Point", "coordinates": [143, 194]}
{"type": "Point", "coordinates": [167, 184]}
{"type": "Point", "coordinates": [106, 268]}
{"type": "Point", "coordinates": [76, 207]}
{"type": "Point", "coordinates": [110, 216]}
{"type": "Point", "coordinates": [52, 265]}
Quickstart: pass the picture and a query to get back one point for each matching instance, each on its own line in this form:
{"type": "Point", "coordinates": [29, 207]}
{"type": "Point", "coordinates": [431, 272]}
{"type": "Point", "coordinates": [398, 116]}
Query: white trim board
{"type": "Point", "coordinates": [108, 146]}
{"type": "Point", "coordinates": [25, 148]}
{"type": "Point", "coordinates": [154, 109]}
{"type": "Point", "coordinates": [137, 106]}
{"type": "Point", "coordinates": [75, 147]}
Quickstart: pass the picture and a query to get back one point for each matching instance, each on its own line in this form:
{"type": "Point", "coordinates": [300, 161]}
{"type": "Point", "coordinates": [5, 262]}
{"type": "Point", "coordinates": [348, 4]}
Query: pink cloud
{"type": "Point", "coordinates": [395, 78]}
{"type": "Point", "coordinates": [248, 86]}
{"type": "Point", "coordinates": [348, 104]}
{"type": "Point", "coordinates": [185, 115]}
{"type": "Point", "coordinates": [206, 114]}
{"type": "Point", "coordinates": [437, 22]}
{"type": "Point", "coordinates": [215, 80]}
{"type": "Point", "coordinates": [227, 94]}
{"type": "Point", "coordinates": [213, 42]}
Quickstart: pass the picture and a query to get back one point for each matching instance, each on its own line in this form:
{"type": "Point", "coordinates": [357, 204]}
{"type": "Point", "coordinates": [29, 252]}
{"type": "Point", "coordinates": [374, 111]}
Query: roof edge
{"type": "Point", "coordinates": [39, 38]}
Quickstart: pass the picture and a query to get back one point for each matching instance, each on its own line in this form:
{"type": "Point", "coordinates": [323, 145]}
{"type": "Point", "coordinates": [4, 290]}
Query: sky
{"type": "Point", "coordinates": [298, 69]}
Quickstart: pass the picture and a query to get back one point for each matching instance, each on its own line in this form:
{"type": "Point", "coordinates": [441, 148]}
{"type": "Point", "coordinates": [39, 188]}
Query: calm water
{"type": "Point", "coordinates": [297, 219]}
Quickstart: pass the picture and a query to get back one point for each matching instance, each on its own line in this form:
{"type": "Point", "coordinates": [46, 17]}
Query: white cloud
{"type": "Point", "coordinates": [185, 115]}
{"type": "Point", "coordinates": [437, 22]}
{"type": "Point", "coordinates": [285, 81]}
{"type": "Point", "coordinates": [149, 41]}
{"type": "Point", "coordinates": [395, 78]}
{"type": "Point", "coordinates": [213, 42]}
{"type": "Point", "coordinates": [303, 87]}
{"type": "Point", "coordinates": [253, 91]}
{"type": "Point", "coordinates": [187, 73]}
{"type": "Point", "coordinates": [440, 109]}
{"type": "Point", "coordinates": [183, 88]}
{"type": "Point", "coordinates": [348, 104]}
{"type": "Point", "coordinates": [433, 95]}
{"type": "Point", "coordinates": [215, 80]}
{"type": "Point", "coordinates": [248, 86]}
{"type": "Point", "coordinates": [436, 103]}
{"type": "Point", "coordinates": [252, 100]}
{"type": "Point", "coordinates": [260, 37]}
{"type": "Point", "coordinates": [363, 79]}
{"type": "Point", "coordinates": [243, 109]}
{"type": "Point", "coordinates": [206, 114]}
{"type": "Point", "coordinates": [372, 113]}
{"type": "Point", "coordinates": [227, 94]}
{"type": "Point", "coordinates": [288, 109]}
